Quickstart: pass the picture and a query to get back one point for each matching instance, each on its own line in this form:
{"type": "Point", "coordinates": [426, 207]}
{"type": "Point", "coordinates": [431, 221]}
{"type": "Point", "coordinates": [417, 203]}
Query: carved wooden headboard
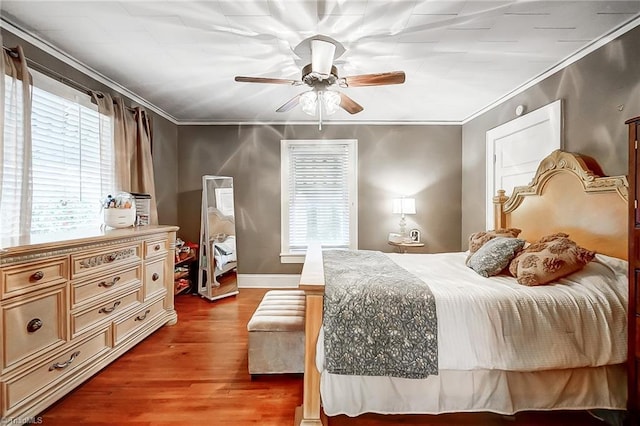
{"type": "Point", "coordinates": [569, 194]}
{"type": "Point", "coordinates": [220, 224]}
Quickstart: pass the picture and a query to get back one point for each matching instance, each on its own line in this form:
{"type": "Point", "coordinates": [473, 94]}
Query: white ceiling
{"type": "Point", "coordinates": [182, 56]}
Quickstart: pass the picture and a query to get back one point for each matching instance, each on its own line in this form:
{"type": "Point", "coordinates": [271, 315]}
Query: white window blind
{"type": "Point", "coordinates": [72, 163]}
{"type": "Point", "coordinates": [319, 185]}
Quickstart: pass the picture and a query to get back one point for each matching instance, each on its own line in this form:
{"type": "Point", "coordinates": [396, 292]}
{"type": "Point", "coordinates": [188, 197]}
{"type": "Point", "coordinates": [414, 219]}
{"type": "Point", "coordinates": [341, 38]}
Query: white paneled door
{"type": "Point", "coordinates": [515, 149]}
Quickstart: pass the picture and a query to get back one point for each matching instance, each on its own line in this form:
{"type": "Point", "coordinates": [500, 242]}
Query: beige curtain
{"type": "Point", "coordinates": [132, 148]}
{"type": "Point", "coordinates": [15, 144]}
{"type": "Point", "coordinates": [105, 129]}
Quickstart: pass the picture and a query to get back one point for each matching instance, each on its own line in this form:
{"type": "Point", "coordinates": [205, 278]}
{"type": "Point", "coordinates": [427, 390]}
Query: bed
{"type": "Point", "coordinates": [502, 346]}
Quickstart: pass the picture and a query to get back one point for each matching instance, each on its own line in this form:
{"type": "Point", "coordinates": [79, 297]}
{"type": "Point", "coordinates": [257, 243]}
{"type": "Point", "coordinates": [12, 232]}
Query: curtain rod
{"type": "Point", "coordinates": [54, 74]}
{"type": "Point", "coordinates": [11, 52]}
{"type": "Point", "coordinates": [50, 73]}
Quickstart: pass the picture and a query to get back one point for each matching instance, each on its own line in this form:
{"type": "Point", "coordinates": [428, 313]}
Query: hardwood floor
{"type": "Point", "coordinates": [196, 373]}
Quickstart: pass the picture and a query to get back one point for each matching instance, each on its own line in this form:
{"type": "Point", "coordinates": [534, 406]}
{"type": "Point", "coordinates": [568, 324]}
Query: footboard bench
{"type": "Point", "coordinates": [276, 333]}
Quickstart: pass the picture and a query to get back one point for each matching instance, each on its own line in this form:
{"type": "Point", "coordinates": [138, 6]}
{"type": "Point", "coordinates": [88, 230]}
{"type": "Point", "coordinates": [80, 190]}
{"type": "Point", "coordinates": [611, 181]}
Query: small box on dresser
{"type": "Point", "coordinates": [72, 305]}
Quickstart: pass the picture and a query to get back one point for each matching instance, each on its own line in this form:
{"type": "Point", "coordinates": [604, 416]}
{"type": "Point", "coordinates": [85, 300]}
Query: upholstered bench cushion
{"type": "Point", "coordinates": [276, 333]}
{"type": "Point", "coordinates": [280, 310]}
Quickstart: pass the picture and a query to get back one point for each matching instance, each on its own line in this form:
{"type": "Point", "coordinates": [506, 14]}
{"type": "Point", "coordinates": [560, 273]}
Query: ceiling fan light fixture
{"type": "Point", "coordinates": [330, 102]}
{"type": "Point", "coordinates": [329, 99]}
{"type": "Point", "coordinates": [320, 75]}
{"type": "Point", "coordinates": [322, 56]}
{"type": "Point", "coordinates": [308, 102]}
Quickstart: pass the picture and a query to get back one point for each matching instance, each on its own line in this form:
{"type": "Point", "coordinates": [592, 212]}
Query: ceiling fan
{"type": "Point", "coordinates": [321, 76]}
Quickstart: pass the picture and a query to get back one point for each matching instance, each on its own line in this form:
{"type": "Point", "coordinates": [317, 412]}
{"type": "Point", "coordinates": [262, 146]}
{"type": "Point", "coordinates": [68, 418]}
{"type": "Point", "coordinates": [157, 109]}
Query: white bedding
{"type": "Point", "coordinates": [224, 252]}
{"type": "Point", "coordinates": [497, 324]}
{"type": "Point", "coordinates": [503, 392]}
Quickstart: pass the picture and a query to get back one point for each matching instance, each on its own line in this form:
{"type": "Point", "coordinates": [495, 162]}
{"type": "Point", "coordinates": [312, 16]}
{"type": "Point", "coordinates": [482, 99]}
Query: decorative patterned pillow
{"type": "Point", "coordinates": [477, 239]}
{"type": "Point", "coordinates": [549, 259]}
{"type": "Point", "coordinates": [494, 255]}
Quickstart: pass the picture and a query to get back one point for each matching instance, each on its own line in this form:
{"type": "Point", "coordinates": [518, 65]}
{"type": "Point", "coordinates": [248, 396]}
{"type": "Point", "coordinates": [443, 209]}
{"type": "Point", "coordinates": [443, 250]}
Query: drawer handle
{"type": "Point", "coordinates": [111, 284]}
{"type": "Point", "coordinates": [111, 309]}
{"type": "Point", "coordinates": [34, 325]}
{"type": "Point", "coordinates": [144, 316]}
{"type": "Point", "coordinates": [62, 365]}
{"type": "Point", "coordinates": [156, 247]}
{"type": "Point", "coordinates": [155, 276]}
{"type": "Point", "coordinates": [37, 276]}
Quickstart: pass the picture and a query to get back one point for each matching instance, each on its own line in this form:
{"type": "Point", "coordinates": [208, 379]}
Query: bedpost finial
{"type": "Point", "coordinates": [501, 197]}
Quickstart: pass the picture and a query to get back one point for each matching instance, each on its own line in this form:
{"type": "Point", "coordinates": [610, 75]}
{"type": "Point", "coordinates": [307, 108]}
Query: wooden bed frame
{"type": "Point", "coordinates": [567, 194]}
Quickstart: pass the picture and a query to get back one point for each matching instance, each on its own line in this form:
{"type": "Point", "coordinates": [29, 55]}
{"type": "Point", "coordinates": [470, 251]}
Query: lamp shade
{"type": "Point", "coordinates": [404, 206]}
{"type": "Point", "coordinates": [322, 53]}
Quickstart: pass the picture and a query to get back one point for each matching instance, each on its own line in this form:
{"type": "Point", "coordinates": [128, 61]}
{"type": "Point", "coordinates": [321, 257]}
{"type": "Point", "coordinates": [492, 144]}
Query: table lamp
{"type": "Point", "coordinates": [404, 206]}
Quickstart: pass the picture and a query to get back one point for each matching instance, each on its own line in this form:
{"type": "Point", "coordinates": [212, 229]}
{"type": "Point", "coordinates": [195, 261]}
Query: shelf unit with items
{"type": "Point", "coordinates": [186, 256]}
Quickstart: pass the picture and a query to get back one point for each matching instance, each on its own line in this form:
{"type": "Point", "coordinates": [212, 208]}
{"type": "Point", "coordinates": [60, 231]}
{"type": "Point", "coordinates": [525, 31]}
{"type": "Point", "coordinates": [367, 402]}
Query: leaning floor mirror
{"type": "Point", "coordinates": [217, 277]}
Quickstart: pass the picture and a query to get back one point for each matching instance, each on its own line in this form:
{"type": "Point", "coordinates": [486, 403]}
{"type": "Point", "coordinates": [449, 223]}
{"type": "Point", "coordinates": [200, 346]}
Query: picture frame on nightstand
{"type": "Point", "coordinates": [414, 234]}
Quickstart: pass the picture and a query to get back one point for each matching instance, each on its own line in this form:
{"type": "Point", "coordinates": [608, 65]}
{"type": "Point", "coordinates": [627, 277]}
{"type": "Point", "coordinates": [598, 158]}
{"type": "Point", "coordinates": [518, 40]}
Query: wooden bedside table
{"type": "Point", "coordinates": [402, 247]}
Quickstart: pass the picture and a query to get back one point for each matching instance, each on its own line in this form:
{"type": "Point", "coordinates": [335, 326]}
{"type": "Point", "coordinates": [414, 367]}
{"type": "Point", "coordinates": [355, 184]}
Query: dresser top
{"type": "Point", "coordinates": [13, 246]}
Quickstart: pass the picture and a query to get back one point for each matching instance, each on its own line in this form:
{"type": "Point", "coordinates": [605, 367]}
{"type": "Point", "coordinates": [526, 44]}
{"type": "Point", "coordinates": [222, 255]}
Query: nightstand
{"type": "Point", "coordinates": [402, 247]}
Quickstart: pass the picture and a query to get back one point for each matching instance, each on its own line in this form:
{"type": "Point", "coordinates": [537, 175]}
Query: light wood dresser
{"type": "Point", "coordinates": [72, 305]}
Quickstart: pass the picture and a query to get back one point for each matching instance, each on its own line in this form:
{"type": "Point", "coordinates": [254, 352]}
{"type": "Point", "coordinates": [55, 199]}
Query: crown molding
{"type": "Point", "coordinates": [315, 123]}
{"type": "Point", "coordinates": [574, 57]}
{"type": "Point", "coordinates": [71, 61]}
{"type": "Point", "coordinates": [90, 72]}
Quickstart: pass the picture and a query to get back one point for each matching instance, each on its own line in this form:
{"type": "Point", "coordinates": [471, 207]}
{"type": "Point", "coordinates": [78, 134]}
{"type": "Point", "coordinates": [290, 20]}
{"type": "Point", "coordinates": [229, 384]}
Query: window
{"type": "Point", "coordinates": [319, 195]}
{"type": "Point", "coordinates": [71, 161]}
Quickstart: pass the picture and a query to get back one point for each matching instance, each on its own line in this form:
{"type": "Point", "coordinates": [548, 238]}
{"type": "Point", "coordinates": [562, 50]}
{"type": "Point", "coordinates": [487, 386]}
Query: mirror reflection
{"type": "Point", "coordinates": [217, 275]}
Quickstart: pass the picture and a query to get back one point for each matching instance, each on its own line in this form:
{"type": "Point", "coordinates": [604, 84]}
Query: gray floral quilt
{"type": "Point", "coordinates": [379, 319]}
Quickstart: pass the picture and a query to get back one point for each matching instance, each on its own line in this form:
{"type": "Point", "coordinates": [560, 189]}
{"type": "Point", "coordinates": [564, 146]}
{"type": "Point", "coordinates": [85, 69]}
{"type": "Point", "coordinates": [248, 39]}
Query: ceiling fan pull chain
{"type": "Point", "coordinates": [319, 103]}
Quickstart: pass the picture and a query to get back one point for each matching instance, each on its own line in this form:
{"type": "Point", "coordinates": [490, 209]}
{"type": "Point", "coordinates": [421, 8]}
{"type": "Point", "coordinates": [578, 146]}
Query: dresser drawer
{"type": "Point", "coordinates": [104, 311]}
{"type": "Point", "coordinates": [155, 248]}
{"type": "Point", "coordinates": [39, 378]}
{"type": "Point", "coordinates": [20, 279]}
{"type": "Point", "coordinates": [33, 324]}
{"type": "Point", "coordinates": [86, 263]}
{"type": "Point", "coordinates": [137, 320]}
{"type": "Point", "coordinates": [154, 278]}
{"type": "Point", "coordinates": [85, 291]}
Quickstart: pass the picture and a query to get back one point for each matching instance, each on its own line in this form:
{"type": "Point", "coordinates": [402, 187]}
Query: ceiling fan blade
{"type": "Point", "coordinates": [290, 104]}
{"type": "Point", "coordinates": [267, 80]}
{"type": "Point", "coordinates": [349, 105]}
{"type": "Point", "coordinates": [394, 77]}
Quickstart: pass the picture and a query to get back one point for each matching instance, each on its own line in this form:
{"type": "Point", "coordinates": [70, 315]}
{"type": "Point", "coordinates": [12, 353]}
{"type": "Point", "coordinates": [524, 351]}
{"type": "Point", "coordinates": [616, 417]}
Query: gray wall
{"type": "Point", "coordinates": [165, 133]}
{"type": "Point", "coordinates": [165, 170]}
{"type": "Point", "coordinates": [422, 161]}
{"type": "Point", "coordinates": [593, 90]}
